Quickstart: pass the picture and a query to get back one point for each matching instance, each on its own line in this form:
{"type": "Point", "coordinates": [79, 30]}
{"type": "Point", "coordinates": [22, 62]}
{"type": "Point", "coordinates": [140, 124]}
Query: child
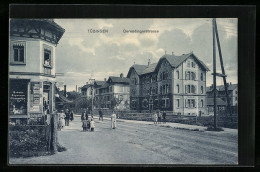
{"type": "Point", "coordinates": [92, 125]}
{"type": "Point", "coordinates": [84, 124]}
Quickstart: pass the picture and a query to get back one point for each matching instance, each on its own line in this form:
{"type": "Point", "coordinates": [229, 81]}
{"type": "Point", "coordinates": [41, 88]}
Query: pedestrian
{"type": "Point", "coordinates": [155, 118]}
{"type": "Point", "coordinates": [59, 122]}
{"type": "Point", "coordinates": [159, 117]}
{"type": "Point", "coordinates": [164, 117]}
{"type": "Point", "coordinates": [67, 117]}
{"type": "Point", "coordinates": [71, 115]}
{"type": "Point", "coordinates": [92, 125]}
{"type": "Point", "coordinates": [113, 120]}
{"type": "Point", "coordinates": [84, 124]}
{"type": "Point", "coordinates": [88, 124]}
{"type": "Point", "coordinates": [62, 119]}
{"type": "Point", "coordinates": [100, 115]}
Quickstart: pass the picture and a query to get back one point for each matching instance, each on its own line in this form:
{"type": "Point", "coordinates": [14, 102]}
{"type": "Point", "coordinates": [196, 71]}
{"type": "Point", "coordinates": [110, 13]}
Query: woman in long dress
{"type": "Point", "coordinates": [62, 119]}
{"type": "Point", "coordinates": [113, 120]}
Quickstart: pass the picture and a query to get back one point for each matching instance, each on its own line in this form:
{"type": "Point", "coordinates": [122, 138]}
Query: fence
{"type": "Point", "coordinates": [33, 140]}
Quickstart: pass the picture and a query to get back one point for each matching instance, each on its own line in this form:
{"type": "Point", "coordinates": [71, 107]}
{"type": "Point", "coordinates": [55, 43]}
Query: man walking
{"type": "Point", "coordinates": [155, 118]}
{"type": "Point", "coordinates": [164, 117]}
{"type": "Point", "coordinates": [113, 120]}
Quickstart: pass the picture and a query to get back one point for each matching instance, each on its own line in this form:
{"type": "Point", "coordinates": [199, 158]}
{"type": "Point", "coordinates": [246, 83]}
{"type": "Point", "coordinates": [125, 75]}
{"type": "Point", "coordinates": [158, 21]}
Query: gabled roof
{"type": "Point", "coordinates": [149, 68]}
{"type": "Point", "coordinates": [138, 68]}
{"type": "Point", "coordinates": [222, 88]}
{"type": "Point", "coordinates": [105, 85]}
{"type": "Point", "coordinates": [85, 86]}
{"type": "Point", "coordinates": [175, 61]}
{"type": "Point", "coordinates": [115, 79]}
{"type": "Point", "coordinates": [219, 101]}
{"type": "Point", "coordinates": [99, 83]}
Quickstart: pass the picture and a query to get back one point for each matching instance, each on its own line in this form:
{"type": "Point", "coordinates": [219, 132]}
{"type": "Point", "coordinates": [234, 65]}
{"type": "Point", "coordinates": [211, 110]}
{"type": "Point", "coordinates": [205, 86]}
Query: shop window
{"type": "Point", "coordinates": [18, 97]}
{"type": "Point", "coordinates": [18, 53]}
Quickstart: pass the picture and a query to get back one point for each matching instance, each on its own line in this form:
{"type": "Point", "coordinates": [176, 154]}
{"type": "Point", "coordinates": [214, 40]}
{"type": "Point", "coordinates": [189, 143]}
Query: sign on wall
{"type": "Point", "coordinates": [35, 97]}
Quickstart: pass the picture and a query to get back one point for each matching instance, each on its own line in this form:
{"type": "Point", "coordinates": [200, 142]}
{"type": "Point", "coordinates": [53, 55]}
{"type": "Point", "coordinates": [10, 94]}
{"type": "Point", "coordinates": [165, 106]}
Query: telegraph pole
{"type": "Point", "coordinates": [223, 70]}
{"type": "Point", "coordinates": [214, 73]}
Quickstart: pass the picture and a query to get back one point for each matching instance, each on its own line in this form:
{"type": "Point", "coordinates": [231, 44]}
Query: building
{"type": "Point", "coordinates": [175, 83]}
{"type": "Point", "coordinates": [221, 105]}
{"type": "Point", "coordinates": [114, 93]}
{"type": "Point", "coordinates": [221, 94]}
{"type": "Point", "coordinates": [32, 67]}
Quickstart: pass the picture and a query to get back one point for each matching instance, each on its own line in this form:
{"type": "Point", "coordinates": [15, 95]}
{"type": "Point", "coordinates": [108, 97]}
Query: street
{"type": "Point", "coordinates": [139, 143]}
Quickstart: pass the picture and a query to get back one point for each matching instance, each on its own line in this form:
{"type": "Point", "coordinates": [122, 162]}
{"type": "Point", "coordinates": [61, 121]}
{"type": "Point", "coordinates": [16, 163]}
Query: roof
{"type": "Point", "coordinates": [105, 85]}
{"type": "Point", "coordinates": [100, 83]}
{"type": "Point", "coordinates": [85, 86]}
{"type": "Point", "coordinates": [174, 61]}
{"type": "Point", "coordinates": [119, 79]}
{"type": "Point", "coordinates": [64, 99]}
{"type": "Point", "coordinates": [219, 101]}
{"type": "Point", "coordinates": [149, 68]}
{"type": "Point", "coordinates": [222, 88]}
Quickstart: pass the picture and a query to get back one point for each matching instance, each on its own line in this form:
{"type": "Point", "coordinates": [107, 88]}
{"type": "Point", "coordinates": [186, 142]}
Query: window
{"type": "Point", "coordinates": [47, 57]}
{"type": "Point", "coordinates": [178, 88]}
{"type": "Point", "coordinates": [187, 76]}
{"type": "Point", "coordinates": [177, 103]}
{"type": "Point", "coordinates": [18, 53]}
{"type": "Point", "coordinates": [178, 74]}
{"type": "Point", "coordinates": [235, 98]}
{"type": "Point", "coordinates": [190, 103]}
{"type": "Point", "coordinates": [193, 76]}
{"type": "Point", "coordinates": [188, 63]}
{"type": "Point", "coordinates": [201, 76]}
{"type": "Point", "coordinates": [193, 64]}
{"type": "Point", "coordinates": [201, 102]}
{"type": "Point", "coordinates": [201, 89]}
{"type": "Point", "coordinates": [193, 89]}
{"type": "Point", "coordinates": [110, 88]}
{"type": "Point", "coordinates": [133, 104]}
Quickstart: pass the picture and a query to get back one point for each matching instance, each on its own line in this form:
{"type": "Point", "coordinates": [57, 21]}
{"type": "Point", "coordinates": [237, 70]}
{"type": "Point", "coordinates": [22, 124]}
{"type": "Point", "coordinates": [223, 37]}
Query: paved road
{"type": "Point", "coordinates": [137, 143]}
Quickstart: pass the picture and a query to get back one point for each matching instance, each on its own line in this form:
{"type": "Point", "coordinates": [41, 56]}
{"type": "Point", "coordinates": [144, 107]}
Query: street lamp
{"type": "Point", "coordinates": [91, 81]}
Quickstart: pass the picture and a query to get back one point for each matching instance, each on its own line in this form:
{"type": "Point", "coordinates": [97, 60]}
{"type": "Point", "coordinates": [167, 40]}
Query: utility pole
{"type": "Point", "coordinates": [223, 71]}
{"type": "Point", "coordinates": [91, 81]}
{"type": "Point", "coordinates": [214, 73]}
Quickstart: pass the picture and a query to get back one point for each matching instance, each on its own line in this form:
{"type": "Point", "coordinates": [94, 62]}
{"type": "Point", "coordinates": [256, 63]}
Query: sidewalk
{"type": "Point", "coordinates": [170, 124]}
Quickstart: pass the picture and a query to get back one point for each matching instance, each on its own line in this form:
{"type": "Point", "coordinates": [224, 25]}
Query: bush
{"type": "Point", "coordinates": [27, 140]}
{"type": "Point", "coordinates": [212, 128]}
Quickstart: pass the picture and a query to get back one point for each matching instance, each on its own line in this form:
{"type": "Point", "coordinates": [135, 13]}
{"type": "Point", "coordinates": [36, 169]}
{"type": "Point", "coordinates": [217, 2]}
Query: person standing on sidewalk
{"type": "Point", "coordinates": [67, 117]}
{"type": "Point", "coordinates": [113, 120]}
{"type": "Point", "coordinates": [92, 125]}
{"type": "Point", "coordinates": [159, 117]}
{"type": "Point", "coordinates": [164, 117]}
{"type": "Point", "coordinates": [100, 115]}
{"type": "Point", "coordinates": [155, 118]}
{"type": "Point", "coordinates": [84, 124]}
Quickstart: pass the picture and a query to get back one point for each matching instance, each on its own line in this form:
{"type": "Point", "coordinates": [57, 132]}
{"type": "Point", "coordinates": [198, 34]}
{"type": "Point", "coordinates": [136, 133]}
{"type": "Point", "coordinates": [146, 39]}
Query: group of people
{"type": "Point", "coordinates": [159, 117]}
{"type": "Point", "coordinates": [88, 124]}
{"type": "Point", "coordinates": [65, 118]}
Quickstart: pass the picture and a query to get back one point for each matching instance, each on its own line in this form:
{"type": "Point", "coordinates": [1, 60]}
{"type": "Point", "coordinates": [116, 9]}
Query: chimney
{"type": "Point", "coordinates": [121, 75]}
{"type": "Point", "coordinates": [65, 92]}
{"type": "Point", "coordinates": [105, 79]}
{"type": "Point", "coordinates": [149, 61]}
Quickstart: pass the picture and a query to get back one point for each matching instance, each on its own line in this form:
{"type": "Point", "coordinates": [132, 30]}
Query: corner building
{"type": "Point", "coordinates": [32, 67]}
{"type": "Point", "coordinates": [175, 83]}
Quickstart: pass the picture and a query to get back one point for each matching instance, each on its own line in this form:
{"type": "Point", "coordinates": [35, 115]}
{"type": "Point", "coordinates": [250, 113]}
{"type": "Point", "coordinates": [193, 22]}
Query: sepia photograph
{"type": "Point", "coordinates": [123, 91]}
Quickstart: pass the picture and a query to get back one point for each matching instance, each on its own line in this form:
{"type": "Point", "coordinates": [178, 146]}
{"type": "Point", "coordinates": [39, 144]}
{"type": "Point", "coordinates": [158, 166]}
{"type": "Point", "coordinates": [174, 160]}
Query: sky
{"type": "Point", "coordinates": [82, 54]}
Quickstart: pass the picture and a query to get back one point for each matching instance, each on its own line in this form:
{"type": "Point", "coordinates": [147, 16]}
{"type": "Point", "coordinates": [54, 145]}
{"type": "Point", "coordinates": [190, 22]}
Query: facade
{"type": "Point", "coordinates": [221, 94]}
{"type": "Point", "coordinates": [175, 83]}
{"type": "Point", "coordinates": [32, 67]}
{"type": "Point", "coordinates": [221, 105]}
{"type": "Point", "coordinates": [114, 93]}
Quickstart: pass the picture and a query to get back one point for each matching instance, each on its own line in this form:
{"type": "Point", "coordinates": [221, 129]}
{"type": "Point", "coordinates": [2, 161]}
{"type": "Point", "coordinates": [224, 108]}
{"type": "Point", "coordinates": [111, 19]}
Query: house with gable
{"type": "Point", "coordinates": [174, 83]}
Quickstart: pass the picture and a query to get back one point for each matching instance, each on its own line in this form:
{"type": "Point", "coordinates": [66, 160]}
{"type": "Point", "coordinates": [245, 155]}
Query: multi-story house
{"type": "Point", "coordinates": [114, 93]}
{"type": "Point", "coordinates": [175, 83]}
{"type": "Point", "coordinates": [221, 94]}
{"type": "Point", "coordinates": [32, 67]}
